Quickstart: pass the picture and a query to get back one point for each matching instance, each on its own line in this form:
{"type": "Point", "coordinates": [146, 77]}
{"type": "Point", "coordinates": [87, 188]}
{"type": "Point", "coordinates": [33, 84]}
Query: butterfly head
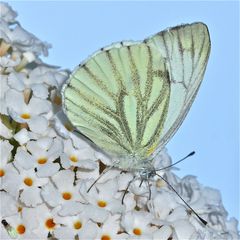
{"type": "Point", "coordinates": [147, 173]}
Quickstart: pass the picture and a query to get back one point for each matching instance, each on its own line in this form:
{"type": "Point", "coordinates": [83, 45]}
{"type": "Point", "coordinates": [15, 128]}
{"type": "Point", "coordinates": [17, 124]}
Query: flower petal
{"type": "Point", "coordinates": [24, 159]}
{"type": "Point", "coordinates": [48, 170]}
{"type": "Point", "coordinates": [23, 136]}
{"type": "Point", "coordinates": [31, 196]}
{"type": "Point", "coordinates": [15, 101]}
{"type": "Point", "coordinates": [164, 233]}
{"type": "Point", "coordinates": [39, 106]}
{"type": "Point", "coordinates": [15, 81]}
{"type": "Point", "coordinates": [184, 229]}
{"type": "Point", "coordinates": [71, 208]}
{"type": "Point", "coordinates": [51, 195]}
{"type": "Point", "coordinates": [7, 13]}
{"type": "Point", "coordinates": [38, 124]}
{"type": "Point", "coordinates": [5, 151]}
{"type": "Point", "coordinates": [10, 205]}
{"type": "Point", "coordinates": [40, 90]}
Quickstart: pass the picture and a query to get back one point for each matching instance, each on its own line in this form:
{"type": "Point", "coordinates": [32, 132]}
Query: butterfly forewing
{"type": "Point", "coordinates": [119, 98]}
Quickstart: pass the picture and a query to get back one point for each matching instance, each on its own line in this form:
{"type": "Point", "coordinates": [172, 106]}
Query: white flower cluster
{"type": "Point", "coordinates": [46, 169]}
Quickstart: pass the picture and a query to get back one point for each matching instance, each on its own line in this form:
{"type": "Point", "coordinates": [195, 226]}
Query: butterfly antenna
{"type": "Point", "coordinates": [125, 191]}
{"type": "Point", "coordinates": [189, 155]}
{"type": "Point", "coordinates": [149, 190]}
{"type": "Point", "coordinates": [201, 219]}
{"type": "Point", "coordinates": [103, 172]}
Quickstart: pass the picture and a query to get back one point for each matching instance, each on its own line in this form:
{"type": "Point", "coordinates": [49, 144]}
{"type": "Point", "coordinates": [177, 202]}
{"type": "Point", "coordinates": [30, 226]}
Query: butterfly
{"type": "Point", "coordinates": [131, 97]}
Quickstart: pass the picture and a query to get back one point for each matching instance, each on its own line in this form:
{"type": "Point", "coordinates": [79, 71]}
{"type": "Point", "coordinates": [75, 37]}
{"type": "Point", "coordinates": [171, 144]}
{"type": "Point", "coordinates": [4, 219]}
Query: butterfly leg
{"type": "Point", "coordinates": [125, 192]}
{"type": "Point", "coordinates": [103, 172]}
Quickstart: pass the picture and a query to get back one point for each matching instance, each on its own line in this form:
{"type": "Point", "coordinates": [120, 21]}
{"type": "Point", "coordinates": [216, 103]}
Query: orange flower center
{"type": "Point", "coordinates": [102, 204]}
{"type": "Point", "coordinates": [21, 229]}
{"type": "Point", "coordinates": [77, 225]}
{"type": "Point", "coordinates": [28, 182]}
{"type": "Point", "coordinates": [25, 116]}
{"type": "Point", "coordinates": [105, 237]}
{"type": "Point", "coordinates": [50, 224]}
{"type": "Point", "coordinates": [66, 195]}
{"type": "Point", "coordinates": [2, 172]}
{"type": "Point", "coordinates": [42, 160]}
{"type": "Point", "coordinates": [137, 231]}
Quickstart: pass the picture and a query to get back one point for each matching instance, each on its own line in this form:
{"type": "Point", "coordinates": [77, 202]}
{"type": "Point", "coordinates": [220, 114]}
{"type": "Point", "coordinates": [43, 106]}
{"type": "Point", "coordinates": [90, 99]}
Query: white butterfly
{"type": "Point", "coordinates": [130, 98]}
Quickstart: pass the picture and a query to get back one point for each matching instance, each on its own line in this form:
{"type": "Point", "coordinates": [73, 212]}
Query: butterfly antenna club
{"type": "Point", "coordinates": [189, 155]}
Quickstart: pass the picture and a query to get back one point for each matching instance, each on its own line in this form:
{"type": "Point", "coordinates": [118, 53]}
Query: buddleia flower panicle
{"type": "Point", "coordinates": [46, 168]}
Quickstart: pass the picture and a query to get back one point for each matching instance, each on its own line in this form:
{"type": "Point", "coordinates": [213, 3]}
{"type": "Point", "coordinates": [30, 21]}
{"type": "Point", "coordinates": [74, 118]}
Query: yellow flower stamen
{"type": "Point", "coordinates": [25, 116]}
{"type": "Point", "coordinates": [77, 225]}
{"type": "Point", "coordinates": [42, 160]}
{"type": "Point", "coordinates": [73, 158]}
{"type": "Point", "coordinates": [28, 181]}
{"type": "Point", "coordinates": [102, 203]}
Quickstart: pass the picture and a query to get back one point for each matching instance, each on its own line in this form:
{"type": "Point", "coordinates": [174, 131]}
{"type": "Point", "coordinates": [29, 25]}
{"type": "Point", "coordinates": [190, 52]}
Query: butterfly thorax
{"type": "Point", "coordinates": [134, 163]}
{"type": "Point", "coordinates": [147, 173]}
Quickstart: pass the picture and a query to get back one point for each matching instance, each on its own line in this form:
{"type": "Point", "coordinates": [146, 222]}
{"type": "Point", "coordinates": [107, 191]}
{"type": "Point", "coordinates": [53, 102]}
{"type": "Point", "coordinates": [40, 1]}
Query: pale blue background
{"type": "Point", "coordinates": [76, 29]}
